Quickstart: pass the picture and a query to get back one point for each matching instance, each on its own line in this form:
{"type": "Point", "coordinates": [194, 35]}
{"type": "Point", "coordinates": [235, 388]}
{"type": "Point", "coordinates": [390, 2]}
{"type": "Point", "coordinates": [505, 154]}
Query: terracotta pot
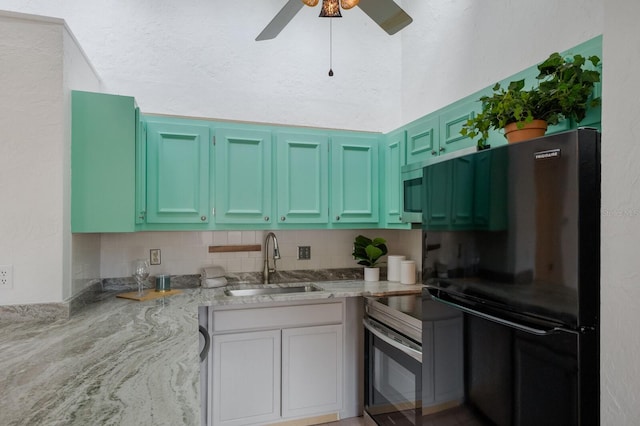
{"type": "Point", "coordinates": [535, 129]}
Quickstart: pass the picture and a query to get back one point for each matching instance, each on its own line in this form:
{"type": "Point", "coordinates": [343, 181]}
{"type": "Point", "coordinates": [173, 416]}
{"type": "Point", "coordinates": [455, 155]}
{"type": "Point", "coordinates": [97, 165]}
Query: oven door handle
{"type": "Point", "coordinates": [417, 355]}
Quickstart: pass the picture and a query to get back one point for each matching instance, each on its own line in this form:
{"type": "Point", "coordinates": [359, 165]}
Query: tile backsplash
{"type": "Point", "coordinates": [187, 252]}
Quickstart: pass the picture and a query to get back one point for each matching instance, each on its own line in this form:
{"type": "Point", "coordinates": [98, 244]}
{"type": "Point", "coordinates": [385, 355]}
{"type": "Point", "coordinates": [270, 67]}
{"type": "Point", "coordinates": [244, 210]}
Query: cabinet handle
{"type": "Point", "coordinates": [442, 149]}
{"type": "Point", "coordinates": [266, 218]}
{"type": "Point", "coordinates": [434, 153]}
{"type": "Point", "coordinates": [283, 218]}
{"type": "Point", "coordinates": [203, 218]}
{"type": "Point", "coordinates": [337, 217]}
{"type": "Point", "coordinates": [142, 214]}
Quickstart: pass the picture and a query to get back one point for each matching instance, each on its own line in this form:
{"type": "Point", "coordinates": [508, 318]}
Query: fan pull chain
{"type": "Point", "coordinates": [330, 47]}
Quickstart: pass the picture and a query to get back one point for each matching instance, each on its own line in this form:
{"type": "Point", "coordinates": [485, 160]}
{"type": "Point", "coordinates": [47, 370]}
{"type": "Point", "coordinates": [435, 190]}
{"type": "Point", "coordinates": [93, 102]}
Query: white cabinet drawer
{"type": "Point", "coordinates": [276, 317]}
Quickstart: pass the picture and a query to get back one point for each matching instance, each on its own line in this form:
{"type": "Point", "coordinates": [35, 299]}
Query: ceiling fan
{"type": "Point", "coordinates": [386, 13]}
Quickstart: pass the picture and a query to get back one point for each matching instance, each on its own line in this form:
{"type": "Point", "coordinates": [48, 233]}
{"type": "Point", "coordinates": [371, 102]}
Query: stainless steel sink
{"type": "Point", "coordinates": [263, 290]}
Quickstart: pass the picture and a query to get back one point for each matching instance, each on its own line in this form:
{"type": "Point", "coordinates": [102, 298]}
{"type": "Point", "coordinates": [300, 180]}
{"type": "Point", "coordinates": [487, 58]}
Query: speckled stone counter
{"type": "Point", "coordinates": [122, 362]}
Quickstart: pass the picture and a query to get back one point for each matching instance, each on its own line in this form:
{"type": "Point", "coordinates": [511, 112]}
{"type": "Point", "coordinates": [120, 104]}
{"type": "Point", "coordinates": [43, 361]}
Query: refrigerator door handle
{"type": "Point", "coordinates": [503, 321]}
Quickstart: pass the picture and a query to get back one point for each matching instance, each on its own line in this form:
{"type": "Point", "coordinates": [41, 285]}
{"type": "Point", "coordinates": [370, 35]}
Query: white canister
{"type": "Point", "coordinates": [408, 272]}
{"type": "Point", "coordinates": [393, 267]}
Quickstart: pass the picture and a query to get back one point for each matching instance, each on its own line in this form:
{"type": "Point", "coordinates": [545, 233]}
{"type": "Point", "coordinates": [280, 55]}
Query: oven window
{"type": "Point", "coordinates": [412, 199]}
{"type": "Point", "coordinates": [393, 391]}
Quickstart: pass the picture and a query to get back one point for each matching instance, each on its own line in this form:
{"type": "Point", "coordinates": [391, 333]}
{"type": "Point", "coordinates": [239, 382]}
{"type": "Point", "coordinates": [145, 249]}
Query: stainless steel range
{"type": "Point", "coordinates": [393, 360]}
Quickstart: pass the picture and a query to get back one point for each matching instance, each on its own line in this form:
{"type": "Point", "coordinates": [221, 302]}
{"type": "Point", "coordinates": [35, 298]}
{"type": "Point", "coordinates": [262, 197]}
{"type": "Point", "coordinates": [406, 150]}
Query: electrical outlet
{"type": "Point", "coordinates": [304, 252]}
{"type": "Point", "coordinates": [6, 276]}
{"type": "Point", "coordinates": [155, 257]}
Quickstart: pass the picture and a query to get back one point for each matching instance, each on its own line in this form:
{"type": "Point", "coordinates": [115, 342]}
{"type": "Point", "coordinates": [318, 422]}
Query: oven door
{"type": "Point", "coordinates": [393, 376]}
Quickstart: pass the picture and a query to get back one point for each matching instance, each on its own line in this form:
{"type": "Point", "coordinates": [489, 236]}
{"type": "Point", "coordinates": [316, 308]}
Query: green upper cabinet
{"type": "Point", "coordinates": [437, 196]}
{"type": "Point", "coordinates": [393, 159]}
{"type": "Point", "coordinates": [177, 172]}
{"type": "Point", "coordinates": [451, 121]}
{"type": "Point", "coordinates": [490, 189]}
{"type": "Point", "coordinates": [423, 139]}
{"type": "Point", "coordinates": [243, 176]}
{"type": "Point", "coordinates": [302, 178]}
{"type": "Point", "coordinates": [354, 179]}
{"type": "Point", "coordinates": [449, 194]}
{"type": "Point", "coordinates": [103, 163]}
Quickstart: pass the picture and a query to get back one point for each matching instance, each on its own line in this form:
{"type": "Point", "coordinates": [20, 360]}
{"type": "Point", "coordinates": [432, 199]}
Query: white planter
{"type": "Point", "coordinates": [372, 274]}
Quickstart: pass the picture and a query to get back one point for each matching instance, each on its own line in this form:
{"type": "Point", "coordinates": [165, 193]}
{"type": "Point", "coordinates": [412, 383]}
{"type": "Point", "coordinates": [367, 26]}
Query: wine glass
{"type": "Point", "coordinates": [140, 273]}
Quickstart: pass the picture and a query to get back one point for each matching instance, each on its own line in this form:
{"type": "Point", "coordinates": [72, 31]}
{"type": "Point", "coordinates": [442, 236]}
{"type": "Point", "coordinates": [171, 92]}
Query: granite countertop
{"type": "Point", "coordinates": [122, 362]}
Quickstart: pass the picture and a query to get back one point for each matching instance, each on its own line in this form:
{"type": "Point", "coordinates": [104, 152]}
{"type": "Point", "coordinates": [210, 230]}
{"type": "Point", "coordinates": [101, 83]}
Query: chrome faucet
{"type": "Point", "coordinates": [276, 255]}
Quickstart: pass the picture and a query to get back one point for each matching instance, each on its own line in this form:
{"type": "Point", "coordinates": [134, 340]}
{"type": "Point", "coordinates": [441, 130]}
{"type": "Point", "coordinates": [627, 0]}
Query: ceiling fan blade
{"type": "Point", "coordinates": [281, 20]}
{"type": "Point", "coordinates": [387, 14]}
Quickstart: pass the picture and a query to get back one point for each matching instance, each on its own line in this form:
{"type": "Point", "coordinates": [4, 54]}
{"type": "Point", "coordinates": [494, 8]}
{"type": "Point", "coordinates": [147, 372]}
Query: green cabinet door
{"type": "Point", "coordinates": [393, 156]}
{"type": "Point", "coordinates": [490, 189]}
{"type": "Point", "coordinates": [103, 162]}
{"type": "Point", "coordinates": [449, 201]}
{"type": "Point", "coordinates": [354, 179]}
{"type": "Point", "coordinates": [243, 178]}
{"type": "Point", "coordinates": [437, 196]}
{"type": "Point", "coordinates": [302, 178]}
{"type": "Point", "coordinates": [177, 173]}
{"type": "Point", "coordinates": [422, 139]}
{"type": "Point", "coordinates": [462, 192]}
{"type": "Point", "coordinates": [451, 121]}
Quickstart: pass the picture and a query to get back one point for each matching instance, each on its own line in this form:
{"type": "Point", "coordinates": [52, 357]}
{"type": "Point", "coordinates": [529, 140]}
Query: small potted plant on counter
{"type": "Point", "coordinates": [564, 90]}
{"type": "Point", "coordinates": [369, 252]}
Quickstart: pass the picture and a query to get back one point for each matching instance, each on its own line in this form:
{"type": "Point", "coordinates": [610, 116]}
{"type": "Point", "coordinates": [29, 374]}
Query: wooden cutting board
{"type": "Point", "coordinates": [148, 295]}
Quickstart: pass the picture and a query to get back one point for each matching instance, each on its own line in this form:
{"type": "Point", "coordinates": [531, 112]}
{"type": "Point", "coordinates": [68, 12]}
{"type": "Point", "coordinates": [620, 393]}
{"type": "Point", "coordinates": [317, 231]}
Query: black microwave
{"type": "Point", "coordinates": [412, 193]}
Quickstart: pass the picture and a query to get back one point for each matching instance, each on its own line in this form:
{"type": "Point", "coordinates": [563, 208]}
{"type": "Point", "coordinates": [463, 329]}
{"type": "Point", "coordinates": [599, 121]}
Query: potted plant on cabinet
{"type": "Point", "coordinates": [369, 252]}
{"type": "Point", "coordinates": [564, 91]}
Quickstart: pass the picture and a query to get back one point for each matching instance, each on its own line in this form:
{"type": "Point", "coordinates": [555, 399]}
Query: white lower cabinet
{"type": "Point", "coordinates": [292, 371]}
{"type": "Point", "coordinates": [246, 378]}
{"type": "Point", "coordinates": [311, 370]}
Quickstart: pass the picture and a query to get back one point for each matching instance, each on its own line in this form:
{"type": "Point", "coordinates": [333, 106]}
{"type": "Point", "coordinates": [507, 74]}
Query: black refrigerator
{"type": "Point", "coordinates": [511, 237]}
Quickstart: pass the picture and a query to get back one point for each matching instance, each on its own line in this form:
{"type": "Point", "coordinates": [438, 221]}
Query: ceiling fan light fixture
{"type": "Point", "coordinates": [348, 4]}
{"type": "Point", "coordinates": [310, 3]}
{"type": "Point", "coordinates": [330, 9]}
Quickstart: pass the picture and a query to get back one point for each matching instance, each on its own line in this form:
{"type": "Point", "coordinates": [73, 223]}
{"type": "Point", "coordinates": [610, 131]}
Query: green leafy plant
{"type": "Point", "coordinates": [564, 90]}
{"type": "Point", "coordinates": [369, 251]}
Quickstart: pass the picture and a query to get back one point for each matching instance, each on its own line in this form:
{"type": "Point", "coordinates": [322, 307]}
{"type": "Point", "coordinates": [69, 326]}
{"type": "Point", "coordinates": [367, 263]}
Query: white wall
{"type": "Point", "coordinates": [455, 48]}
{"type": "Point", "coordinates": [200, 59]}
{"type": "Point", "coordinates": [187, 252]}
{"type": "Point", "coordinates": [34, 165]}
{"type": "Point", "coordinates": [620, 278]}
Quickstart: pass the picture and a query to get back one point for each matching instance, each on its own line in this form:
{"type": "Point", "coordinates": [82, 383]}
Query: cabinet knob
{"type": "Point", "coordinates": [283, 218]}
{"type": "Point", "coordinates": [337, 217]}
{"type": "Point", "coordinates": [203, 218]}
{"type": "Point", "coordinates": [266, 218]}
{"type": "Point", "coordinates": [442, 149]}
{"type": "Point", "coordinates": [434, 153]}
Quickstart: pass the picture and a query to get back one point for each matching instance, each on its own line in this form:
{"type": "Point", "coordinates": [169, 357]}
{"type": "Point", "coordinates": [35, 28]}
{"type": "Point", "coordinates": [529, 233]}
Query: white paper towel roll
{"type": "Point", "coordinates": [408, 272]}
{"type": "Point", "coordinates": [393, 267]}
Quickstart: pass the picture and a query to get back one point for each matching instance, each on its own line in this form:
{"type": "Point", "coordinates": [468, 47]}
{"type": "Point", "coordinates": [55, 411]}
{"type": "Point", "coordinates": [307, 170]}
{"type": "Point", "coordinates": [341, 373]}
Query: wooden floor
{"type": "Point", "coordinates": [353, 421]}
